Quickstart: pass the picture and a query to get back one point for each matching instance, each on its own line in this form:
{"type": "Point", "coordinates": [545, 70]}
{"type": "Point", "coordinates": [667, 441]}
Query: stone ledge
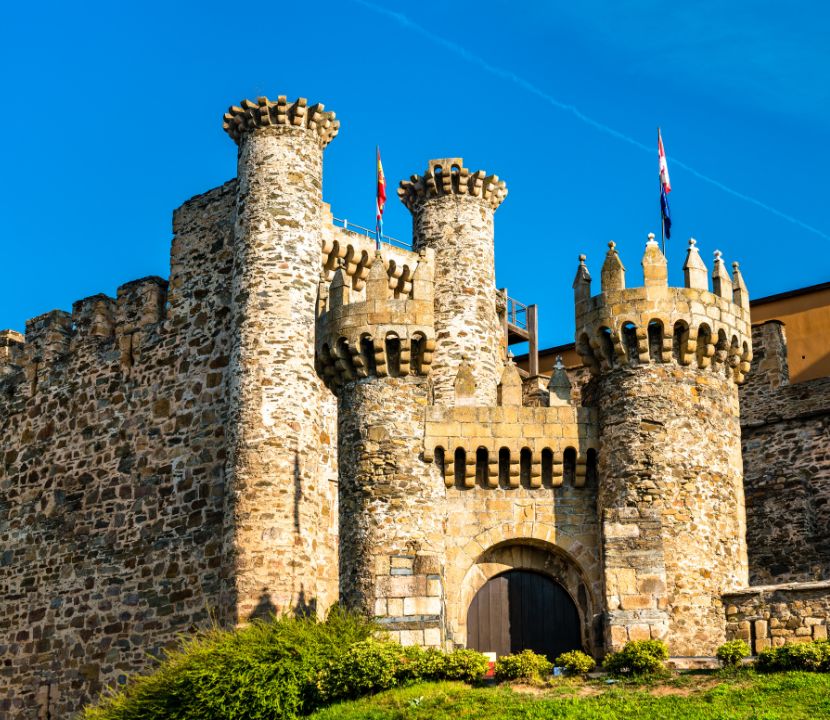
{"type": "Point", "coordinates": [788, 587]}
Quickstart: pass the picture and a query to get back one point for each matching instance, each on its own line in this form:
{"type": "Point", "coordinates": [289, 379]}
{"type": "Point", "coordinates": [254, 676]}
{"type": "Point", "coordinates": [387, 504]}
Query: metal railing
{"type": "Point", "coordinates": [516, 313]}
{"type": "Point", "coordinates": [370, 233]}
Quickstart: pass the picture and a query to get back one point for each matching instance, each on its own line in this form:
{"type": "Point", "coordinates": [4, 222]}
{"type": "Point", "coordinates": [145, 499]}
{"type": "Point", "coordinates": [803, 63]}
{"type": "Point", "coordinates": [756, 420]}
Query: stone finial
{"type": "Point", "coordinates": [339, 291]}
{"type": "Point", "coordinates": [377, 281]}
{"type": "Point", "coordinates": [448, 176]}
{"type": "Point", "coordinates": [721, 282]}
{"type": "Point", "coordinates": [423, 279]}
{"type": "Point", "coordinates": [582, 281]}
{"type": "Point", "coordinates": [560, 384]}
{"type": "Point", "coordinates": [510, 385]}
{"type": "Point", "coordinates": [655, 267]}
{"type": "Point", "coordinates": [465, 384]}
{"type": "Point", "coordinates": [612, 276]}
{"type": "Point", "coordinates": [695, 274]}
{"type": "Point", "coordinates": [264, 113]}
{"type": "Point", "coordinates": [740, 295]}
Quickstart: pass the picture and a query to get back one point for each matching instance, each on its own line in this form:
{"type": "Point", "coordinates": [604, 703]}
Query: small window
{"type": "Point", "coordinates": [547, 467]}
{"type": "Point", "coordinates": [569, 466]}
{"type": "Point", "coordinates": [482, 467]}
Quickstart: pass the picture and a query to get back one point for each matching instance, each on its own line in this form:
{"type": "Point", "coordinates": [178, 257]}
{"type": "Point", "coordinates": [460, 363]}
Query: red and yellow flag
{"type": "Point", "coordinates": [380, 199]}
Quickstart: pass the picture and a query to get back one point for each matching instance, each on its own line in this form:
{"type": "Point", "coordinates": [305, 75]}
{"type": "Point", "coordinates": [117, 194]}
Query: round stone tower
{"type": "Point", "coordinates": [452, 213]}
{"type": "Point", "coordinates": [375, 352]}
{"type": "Point", "coordinates": [275, 489]}
{"type": "Point", "coordinates": [667, 362]}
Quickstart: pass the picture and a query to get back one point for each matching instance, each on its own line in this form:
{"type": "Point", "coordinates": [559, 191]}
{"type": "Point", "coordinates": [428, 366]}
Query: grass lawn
{"type": "Point", "coordinates": [692, 696]}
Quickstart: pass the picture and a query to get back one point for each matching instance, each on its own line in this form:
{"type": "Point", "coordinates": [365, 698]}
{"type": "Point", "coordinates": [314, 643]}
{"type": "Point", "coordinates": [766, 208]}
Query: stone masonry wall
{"type": "Point", "coordinates": [392, 519]}
{"type": "Point", "coordinates": [772, 615]}
{"type": "Point", "coordinates": [786, 448]}
{"type": "Point", "coordinates": [670, 472]}
{"type": "Point", "coordinates": [112, 458]}
{"type": "Point", "coordinates": [281, 505]}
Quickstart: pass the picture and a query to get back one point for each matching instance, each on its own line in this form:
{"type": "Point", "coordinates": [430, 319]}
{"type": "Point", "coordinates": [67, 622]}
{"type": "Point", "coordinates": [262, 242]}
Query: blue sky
{"type": "Point", "coordinates": [112, 118]}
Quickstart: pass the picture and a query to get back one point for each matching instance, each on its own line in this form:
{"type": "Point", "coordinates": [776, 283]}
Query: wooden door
{"type": "Point", "coordinates": [521, 610]}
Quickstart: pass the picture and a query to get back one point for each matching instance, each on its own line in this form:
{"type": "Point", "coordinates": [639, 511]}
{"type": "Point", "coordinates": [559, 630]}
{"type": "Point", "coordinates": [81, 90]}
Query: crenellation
{"type": "Point", "coordinates": [48, 337]}
{"type": "Point", "coordinates": [448, 176]}
{"type": "Point", "coordinates": [656, 323]}
{"type": "Point", "coordinates": [281, 114]}
{"type": "Point", "coordinates": [94, 318]}
{"type": "Point", "coordinates": [140, 303]}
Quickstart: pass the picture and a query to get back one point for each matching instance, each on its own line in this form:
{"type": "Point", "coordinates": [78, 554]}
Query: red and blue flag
{"type": "Point", "coordinates": [665, 186]}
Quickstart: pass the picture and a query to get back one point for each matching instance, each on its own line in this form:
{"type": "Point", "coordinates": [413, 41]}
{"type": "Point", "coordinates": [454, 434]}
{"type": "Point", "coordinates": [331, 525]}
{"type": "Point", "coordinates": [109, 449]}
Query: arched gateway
{"type": "Point", "coordinates": [521, 609]}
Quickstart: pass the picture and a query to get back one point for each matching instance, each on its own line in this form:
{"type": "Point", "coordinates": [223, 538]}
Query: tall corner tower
{"type": "Point", "coordinates": [374, 349]}
{"type": "Point", "coordinates": [274, 541]}
{"type": "Point", "coordinates": [452, 213]}
{"type": "Point", "coordinates": [671, 504]}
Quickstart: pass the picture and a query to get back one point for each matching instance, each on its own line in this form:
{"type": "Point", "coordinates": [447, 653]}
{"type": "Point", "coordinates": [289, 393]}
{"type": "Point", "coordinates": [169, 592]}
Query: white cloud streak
{"type": "Point", "coordinates": [529, 87]}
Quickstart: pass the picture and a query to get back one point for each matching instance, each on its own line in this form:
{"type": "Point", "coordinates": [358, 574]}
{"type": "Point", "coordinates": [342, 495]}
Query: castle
{"type": "Point", "coordinates": [296, 417]}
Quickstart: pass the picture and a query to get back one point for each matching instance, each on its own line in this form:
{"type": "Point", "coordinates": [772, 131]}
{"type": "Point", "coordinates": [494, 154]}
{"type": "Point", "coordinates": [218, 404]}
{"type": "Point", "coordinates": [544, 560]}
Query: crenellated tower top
{"type": "Point", "coordinates": [448, 176]}
{"type": "Point", "coordinates": [369, 329]}
{"type": "Point", "coordinates": [282, 113]}
{"type": "Point", "coordinates": [657, 323]}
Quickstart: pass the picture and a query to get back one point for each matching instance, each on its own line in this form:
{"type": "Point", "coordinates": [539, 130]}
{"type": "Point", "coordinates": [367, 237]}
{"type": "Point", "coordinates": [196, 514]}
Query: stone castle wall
{"type": "Point", "coordinates": [786, 449]}
{"type": "Point", "coordinates": [774, 615]}
{"type": "Point", "coordinates": [112, 466]}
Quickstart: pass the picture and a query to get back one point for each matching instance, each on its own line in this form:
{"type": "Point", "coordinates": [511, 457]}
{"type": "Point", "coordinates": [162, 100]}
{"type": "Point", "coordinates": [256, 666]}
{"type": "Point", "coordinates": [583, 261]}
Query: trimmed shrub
{"type": "Point", "coordinates": [811, 656]}
{"type": "Point", "coordinates": [732, 652]}
{"type": "Point", "coordinates": [575, 662]}
{"type": "Point", "coordinates": [638, 657]}
{"type": "Point", "coordinates": [465, 665]}
{"type": "Point", "coordinates": [365, 668]}
{"type": "Point", "coordinates": [268, 669]}
{"type": "Point", "coordinates": [527, 665]}
{"type": "Point", "coordinates": [420, 665]}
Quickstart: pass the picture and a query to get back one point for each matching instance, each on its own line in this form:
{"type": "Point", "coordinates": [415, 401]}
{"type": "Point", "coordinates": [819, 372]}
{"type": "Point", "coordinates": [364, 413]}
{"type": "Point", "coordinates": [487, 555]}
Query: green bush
{"type": "Point", "coordinates": [576, 662]}
{"type": "Point", "coordinates": [268, 669]}
{"type": "Point", "coordinates": [527, 665]}
{"type": "Point", "coordinates": [732, 652]}
{"type": "Point", "coordinates": [812, 656]}
{"type": "Point", "coordinates": [421, 665]}
{"type": "Point", "coordinates": [638, 657]}
{"type": "Point", "coordinates": [467, 665]}
{"type": "Point", "coordinates": [364, 668]}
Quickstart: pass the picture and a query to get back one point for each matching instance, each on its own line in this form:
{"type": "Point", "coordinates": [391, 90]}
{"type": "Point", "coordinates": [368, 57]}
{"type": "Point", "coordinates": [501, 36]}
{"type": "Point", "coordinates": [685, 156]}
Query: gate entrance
{"type": "Point", "coordinates": [521, 610]}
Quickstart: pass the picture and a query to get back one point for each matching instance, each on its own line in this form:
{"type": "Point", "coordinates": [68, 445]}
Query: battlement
{"type": "Point", "coordinates": [378, 326]}
{"type": "Point", "coordinates": [55, 335]}
{"type": "Point", "coordinates": [448, 176]}
{"type": "Point", "coordinates": [267, 113]}
{"type": "Point", "coordinates": [656, 323]}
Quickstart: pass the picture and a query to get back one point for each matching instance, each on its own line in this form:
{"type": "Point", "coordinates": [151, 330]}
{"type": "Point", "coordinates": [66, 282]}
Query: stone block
{"type": "Point", "coordinates": [639, 632]}
{"type": "Point", "coordinates": [637, 602]}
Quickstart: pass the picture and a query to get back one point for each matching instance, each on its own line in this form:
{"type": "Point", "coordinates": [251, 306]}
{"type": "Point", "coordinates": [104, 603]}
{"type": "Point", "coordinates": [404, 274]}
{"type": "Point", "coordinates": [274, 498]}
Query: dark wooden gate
{"type": "Point", "coordinates": [521, 610]}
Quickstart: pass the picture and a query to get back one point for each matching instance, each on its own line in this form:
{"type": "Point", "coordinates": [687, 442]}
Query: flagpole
{"type": "Point", "coordinates": [660, 187]}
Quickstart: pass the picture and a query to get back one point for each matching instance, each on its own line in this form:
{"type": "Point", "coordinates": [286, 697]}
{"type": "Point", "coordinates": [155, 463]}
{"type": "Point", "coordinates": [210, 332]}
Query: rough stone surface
{"type": "Point", "coordinates": [773, 615]}
{"type": "Point", "coordinates": [786, 447]}
{"type": "Point", "coordinates": [112, 472]}
{"type": "Point", "coordinates": [280, 485]}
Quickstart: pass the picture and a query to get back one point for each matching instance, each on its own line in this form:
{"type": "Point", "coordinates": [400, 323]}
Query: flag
{"type": "Point", "coordinates": [665, 186]}
{"type": "Point", "coordinates": [380, 200]}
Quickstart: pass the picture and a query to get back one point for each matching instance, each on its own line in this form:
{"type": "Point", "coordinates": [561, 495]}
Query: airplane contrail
{"type": "Point", "coordinates": [528, 86]}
